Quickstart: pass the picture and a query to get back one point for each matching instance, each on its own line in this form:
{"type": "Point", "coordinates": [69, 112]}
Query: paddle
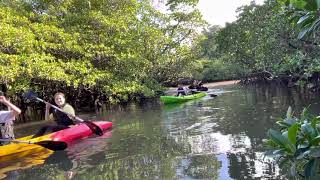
{"type": "Point", "coordinates": [52, 145]}
{"type": "Point", "coordinates": [94, 128]}
{"type": "Point", "coordinates": [213, 95]}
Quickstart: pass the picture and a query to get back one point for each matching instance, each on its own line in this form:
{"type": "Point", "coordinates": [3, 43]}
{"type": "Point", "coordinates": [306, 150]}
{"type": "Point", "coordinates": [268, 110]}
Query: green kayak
{"type": "Point", "coordinates": [180, 99]}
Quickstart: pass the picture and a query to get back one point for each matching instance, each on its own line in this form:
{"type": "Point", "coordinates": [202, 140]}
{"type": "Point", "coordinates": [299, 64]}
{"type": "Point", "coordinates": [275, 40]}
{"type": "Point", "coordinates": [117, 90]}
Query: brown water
{"type": "Point", "coordinates": [208, 138]}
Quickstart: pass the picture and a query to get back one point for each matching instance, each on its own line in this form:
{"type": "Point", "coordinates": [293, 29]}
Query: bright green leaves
{"type": "Point", "coordinates": [298, 140]}
{"type": "Point", "coordinates": [305, 15]}
{"type": "Point", "coordinates": [282, 140]}
{"type": "Point", "coordinates": [286, 140]}
{"type": "Point", "coordinates": [116, 46]}
{"type": "Point", "coordinates": [299, 3]}
{"type": "Point", "coordinates": [308, 23]}
{"type": "Point", "coordinates": [255, 40]}
{"type": "Point", "coordinates": [311, 5]}
{"type": "Point", "coordinates": [292, 134]}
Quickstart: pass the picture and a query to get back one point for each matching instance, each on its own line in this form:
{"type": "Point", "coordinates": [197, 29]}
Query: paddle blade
{"type": "Point", "coordinates": [94, 128]}
{"type": "Point", "coordinates": [53, 145]}
{"type": "Point", "coordinates": [29, 95]}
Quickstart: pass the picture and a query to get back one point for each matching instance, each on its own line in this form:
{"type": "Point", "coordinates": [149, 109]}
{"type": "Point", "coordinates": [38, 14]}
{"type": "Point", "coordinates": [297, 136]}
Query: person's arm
{"type": "Point", "coordinates": [69, 109]}
{"type": "Point", "coordinates": [48, 116]}
{"type": "Point", "coordinates": [16, 111]}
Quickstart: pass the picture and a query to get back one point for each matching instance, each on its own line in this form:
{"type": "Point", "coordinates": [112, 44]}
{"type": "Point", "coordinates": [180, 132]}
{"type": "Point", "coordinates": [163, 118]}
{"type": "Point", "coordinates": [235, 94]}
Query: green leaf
{"type": "Point", "coordinates": [315, 141]}
{"type": "Point", "coordinates": [300, 4]}
{"type": "Point", "coordinates": [292, 134]}
{"type": "Point", "coordinates": [284, 1]}
{"type": "Point", "coordinates": [308, 131]}
{"type": "Point", "coordinates": [277, 137]}
{"type": "Point", "coordinates": [311, 5]}
{"type": "Point", "coordinates": [303, 19]}
{"type": "Point", "coordinates": [314, 121]}
{"type": "Point", "coordinates": [315, 24]}
{"type": "Point", "coordinates": [303, 32]}
{"type": "Point", "coordinates": [288, 144]}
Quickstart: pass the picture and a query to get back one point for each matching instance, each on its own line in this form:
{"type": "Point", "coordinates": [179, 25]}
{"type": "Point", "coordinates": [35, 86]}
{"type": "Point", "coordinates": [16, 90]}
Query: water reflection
{"type": "Point", "coordinates": [80, 156]}
{"type": "Point", "coordinates": [210, 138]}
{"type": "Point", "coordinates": [232, 127]}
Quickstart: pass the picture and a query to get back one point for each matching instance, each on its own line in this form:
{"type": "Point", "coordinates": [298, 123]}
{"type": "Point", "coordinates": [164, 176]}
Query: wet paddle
{"type": "Point", "coordinates": [52, 145]}
{"type": "Point", "coordinates": [213, 95]}
{"type": "Point", "coordinates": [94, 128]}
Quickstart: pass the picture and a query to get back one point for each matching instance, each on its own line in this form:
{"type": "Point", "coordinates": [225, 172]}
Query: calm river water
{"type": "Point", "coordinates": [210, 138]}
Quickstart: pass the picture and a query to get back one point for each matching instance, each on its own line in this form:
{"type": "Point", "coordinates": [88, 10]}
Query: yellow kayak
{"type": "Point", "coordinates": [36, 158]}
{"type": "Point", "coordinates": [15, 151]}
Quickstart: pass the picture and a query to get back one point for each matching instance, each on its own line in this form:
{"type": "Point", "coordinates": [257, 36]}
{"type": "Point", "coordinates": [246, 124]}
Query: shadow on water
{"type": "Point", "coordinates": [209, 138]}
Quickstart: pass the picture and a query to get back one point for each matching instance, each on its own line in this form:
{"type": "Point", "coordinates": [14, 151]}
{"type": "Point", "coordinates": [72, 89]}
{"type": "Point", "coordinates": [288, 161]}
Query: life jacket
{"type": "Point", "coordinates": [61, 118]}
{"type": "Point", "coordinates": [6, 131]}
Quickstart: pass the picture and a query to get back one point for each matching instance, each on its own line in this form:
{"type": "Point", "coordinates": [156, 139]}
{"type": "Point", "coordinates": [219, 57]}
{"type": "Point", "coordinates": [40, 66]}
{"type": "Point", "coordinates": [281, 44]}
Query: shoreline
{"type": "Point", "coordinates": [221, 83]}
{"type": "Point", "coordinates": [214, 84]}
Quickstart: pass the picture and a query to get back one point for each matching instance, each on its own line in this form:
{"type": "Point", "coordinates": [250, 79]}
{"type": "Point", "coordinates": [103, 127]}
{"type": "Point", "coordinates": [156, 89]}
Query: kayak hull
{"type": "Point", "coordinates": [36, 158]}
{"type": "Point", "coordinates": [181, 99]}
{"type": "Point", "coordinates": [18, 150]}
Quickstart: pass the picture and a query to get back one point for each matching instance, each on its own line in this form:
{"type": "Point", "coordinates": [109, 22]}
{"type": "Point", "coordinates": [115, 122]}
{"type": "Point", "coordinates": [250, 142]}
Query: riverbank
{"type": "Point", "coordinates": [221, 83]}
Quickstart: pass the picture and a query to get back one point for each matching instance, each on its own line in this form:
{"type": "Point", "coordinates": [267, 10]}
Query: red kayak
{"type": "Point", "coordinates": [18, 150]}
{"type": "Point", "coordinates": [78, 132]}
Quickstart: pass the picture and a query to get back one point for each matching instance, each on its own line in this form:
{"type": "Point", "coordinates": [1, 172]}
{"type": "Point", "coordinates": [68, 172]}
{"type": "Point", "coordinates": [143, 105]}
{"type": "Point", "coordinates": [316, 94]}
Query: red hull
{"type": "Point", "coordinates": [78, 132]}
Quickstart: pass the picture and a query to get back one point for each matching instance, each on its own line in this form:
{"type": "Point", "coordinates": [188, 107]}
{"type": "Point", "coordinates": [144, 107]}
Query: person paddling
{"type": "Point", "coordinates": [181, 90]}
{"type": "Point", "coordinates": [193, 85]}
{"type": "Point", "coordinates": [200, 87]}
{"type": "Point", "coordinates": [62, 120]}
{"type": "Point", "coordinates": [6, 119]}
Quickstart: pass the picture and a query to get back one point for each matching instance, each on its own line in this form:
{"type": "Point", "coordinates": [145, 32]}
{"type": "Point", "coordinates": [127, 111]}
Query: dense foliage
{"type": "Point", "coordinates": [262, 45]}
{"type": "Point", "coordinates": [296, 144]}
{"type": "Point", "coordinates": [122, 48]}
{"type": "Point", "coordinates": [305, 14]}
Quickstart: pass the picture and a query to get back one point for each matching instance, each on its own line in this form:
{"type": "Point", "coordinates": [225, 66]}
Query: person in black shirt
{"type": "Point", "coordinates": [181, 90]}
{"type": "Point", "coordinates": [62, 120]}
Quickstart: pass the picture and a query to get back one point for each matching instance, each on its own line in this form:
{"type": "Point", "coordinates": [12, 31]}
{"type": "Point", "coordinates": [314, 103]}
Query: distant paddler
{"type": "Point", "coordinates": [181, 90]}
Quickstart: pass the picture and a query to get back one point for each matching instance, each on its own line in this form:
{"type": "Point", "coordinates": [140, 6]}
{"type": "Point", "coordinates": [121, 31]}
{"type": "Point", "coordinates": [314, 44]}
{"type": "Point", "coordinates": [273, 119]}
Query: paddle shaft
{"type": "Point", "coordinates": [52, 145]}
{"type": "Point", "coordinates": [16, 141]}
{"type": "Point", "coordinates": [59, 109]}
